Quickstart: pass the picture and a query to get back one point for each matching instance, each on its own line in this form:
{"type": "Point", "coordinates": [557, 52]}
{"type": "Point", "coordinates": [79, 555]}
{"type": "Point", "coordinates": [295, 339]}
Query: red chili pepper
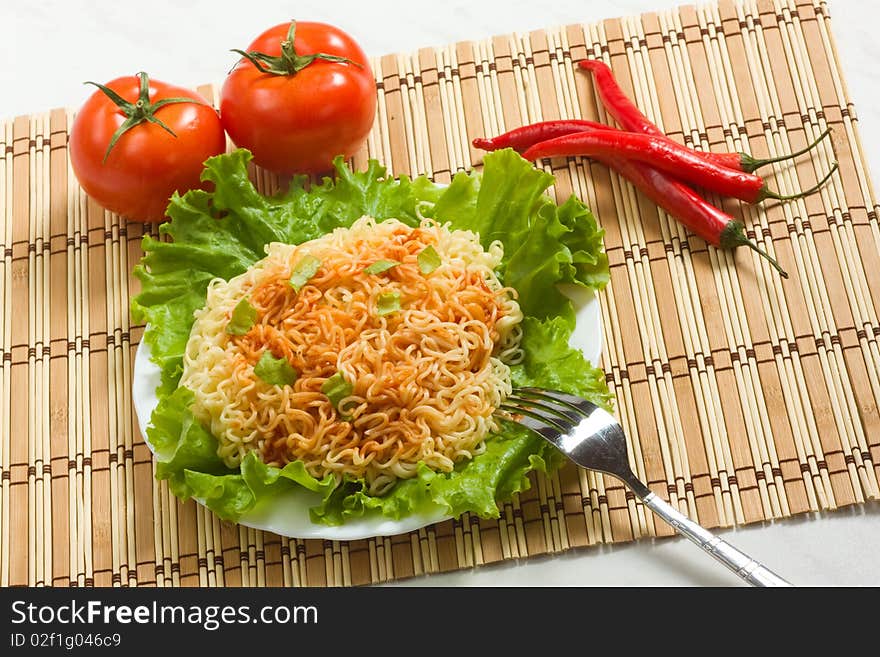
{"type": "Point", "coordinates": [715, 226]}
{"type": "Point", "coordinates": [522, 138]}
{"type": "Point", "coordinates": [519, 139]}
{"type": "Point", "coordinates": [631, 118]}
{"type": "Point", "coordinates": [666, 155]}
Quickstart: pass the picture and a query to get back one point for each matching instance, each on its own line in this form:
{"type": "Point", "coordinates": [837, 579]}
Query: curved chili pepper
{"type": "Point", "coordinates": [666, 155]}
{"type": "Point", "coordinates": [681, 202]}
{"type": "Point", "coordinates": [631, 118]}
{"type": "Point", "coordinates": [524, 137]}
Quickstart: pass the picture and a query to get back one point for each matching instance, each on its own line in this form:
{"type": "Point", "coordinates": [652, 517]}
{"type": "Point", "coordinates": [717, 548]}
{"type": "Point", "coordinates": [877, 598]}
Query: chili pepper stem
{"type": "Point", "coordinates": [750, 164]}
{"type": "Point", "coordinates": [734, 235]}
{"type": "Point", "coordinates": [768, 193]}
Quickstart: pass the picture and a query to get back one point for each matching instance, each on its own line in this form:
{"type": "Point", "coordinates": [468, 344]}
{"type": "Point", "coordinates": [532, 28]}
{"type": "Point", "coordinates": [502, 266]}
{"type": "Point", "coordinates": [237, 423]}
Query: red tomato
{"type": "Point", "coordinates": [147, 164]}
{"type": "Point", "coordinates": [297, 122]}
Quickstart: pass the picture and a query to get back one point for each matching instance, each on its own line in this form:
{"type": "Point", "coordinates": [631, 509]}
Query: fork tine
{"type": "Point", "coordinates": [568, 401]}
{"type": "Point", "coordinates": [547, 431]}
{"type": "Point", "coordinates": [565, 419]}
{"type": "Point", "coordinates": [555, 423]}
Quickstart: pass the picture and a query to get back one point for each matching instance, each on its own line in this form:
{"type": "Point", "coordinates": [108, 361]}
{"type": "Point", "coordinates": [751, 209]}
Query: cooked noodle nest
{"type": "Point", "coordinates": [412, 325]}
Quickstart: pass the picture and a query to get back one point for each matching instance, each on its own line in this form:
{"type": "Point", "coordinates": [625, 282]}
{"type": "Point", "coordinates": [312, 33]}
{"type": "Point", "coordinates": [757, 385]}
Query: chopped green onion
{"type": "Point", "coordinates": [337, 388]}
{"type": "Point", "coordinates": [304, 270]}
{"type": "Point", "coordinates": [429, 260]}
{"type": "Point", "coordinates": [275, 371]}
{"type": "Point", "coordinates": [381, 265]}
{"type": "Point", "coordinates": [388, 302]}
{"type": "Point", "coordinates": [244, 316]}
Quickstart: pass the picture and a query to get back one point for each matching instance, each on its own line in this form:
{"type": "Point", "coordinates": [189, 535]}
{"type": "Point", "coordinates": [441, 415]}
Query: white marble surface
{"type": "Point", "coordinates": [50, 46]}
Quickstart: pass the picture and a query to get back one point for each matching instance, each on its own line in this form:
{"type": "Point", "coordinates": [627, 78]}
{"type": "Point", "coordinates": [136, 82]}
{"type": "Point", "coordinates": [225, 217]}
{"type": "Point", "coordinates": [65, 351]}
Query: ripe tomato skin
{"type": "Point", "coordinates": [298, 123]}
{"type": "Point", "coordinates": [147, 164]}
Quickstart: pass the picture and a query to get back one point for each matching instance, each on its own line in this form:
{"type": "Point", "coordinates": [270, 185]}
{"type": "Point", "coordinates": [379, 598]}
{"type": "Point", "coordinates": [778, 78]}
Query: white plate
{"type": "Point", "coordinates": [287, 514]}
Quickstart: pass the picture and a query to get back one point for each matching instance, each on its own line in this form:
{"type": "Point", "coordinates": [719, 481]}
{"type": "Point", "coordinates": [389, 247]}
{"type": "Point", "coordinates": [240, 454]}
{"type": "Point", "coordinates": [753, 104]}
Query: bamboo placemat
{"type": "Point", "coordinates": [746, 397]}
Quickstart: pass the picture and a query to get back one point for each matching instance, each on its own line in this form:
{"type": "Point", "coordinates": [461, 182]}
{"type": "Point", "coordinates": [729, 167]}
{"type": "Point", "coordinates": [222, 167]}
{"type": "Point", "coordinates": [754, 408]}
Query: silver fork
{"type": "Point", "coordinates": [594, 439]}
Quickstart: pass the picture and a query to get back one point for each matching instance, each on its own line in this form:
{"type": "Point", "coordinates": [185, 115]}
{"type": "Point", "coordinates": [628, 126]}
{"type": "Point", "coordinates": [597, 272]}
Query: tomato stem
{"type": "Point", "coordinates": [139, 111]}
{"type": "Point", "coordinates": [289, 63]}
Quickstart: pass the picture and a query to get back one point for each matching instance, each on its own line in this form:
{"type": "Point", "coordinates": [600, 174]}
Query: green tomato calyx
{"type": "Point", "coordinates": [289, 63]}
{"type": "Point", "coordinates": [139, 111]}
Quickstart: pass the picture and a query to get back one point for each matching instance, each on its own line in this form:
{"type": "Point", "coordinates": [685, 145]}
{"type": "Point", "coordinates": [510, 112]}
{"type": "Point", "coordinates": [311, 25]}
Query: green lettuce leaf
{"type": "Point", "coordinates": [380, 266]}
{"type": "Point", "coordinates": [223, 232]}
{"type": "Point", "coordinates": [337, 388]}
{"type": "Point", "coordinates": [275, 371]}
{"type": "Point", "coordinates": [549, 362]}
{"type": "Point", "coordinates": [232, 495]}
{"type": "Point", "coordinates": [181, 443]}
{"type": "Point", "coordinates": [387, 303]}
{"type": "Point", "coordinates": [303, 272]}
{"type": "Point", "coordinates": [244, 316]}
{"type": "Point", "coordinates": [428, 260]}
{"type": "Point", "coordinates": [544, 244]}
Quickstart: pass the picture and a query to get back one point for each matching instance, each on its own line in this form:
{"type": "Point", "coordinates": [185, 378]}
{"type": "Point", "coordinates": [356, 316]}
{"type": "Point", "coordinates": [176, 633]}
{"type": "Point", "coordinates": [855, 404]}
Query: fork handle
{"type": "Point", "coordinates": [740, 563]}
